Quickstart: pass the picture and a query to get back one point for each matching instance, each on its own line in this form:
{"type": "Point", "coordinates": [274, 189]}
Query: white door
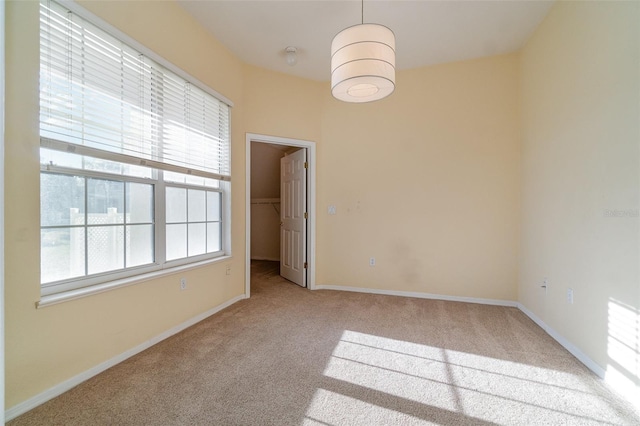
{"type": "Point", "coordinates": [293, 232]}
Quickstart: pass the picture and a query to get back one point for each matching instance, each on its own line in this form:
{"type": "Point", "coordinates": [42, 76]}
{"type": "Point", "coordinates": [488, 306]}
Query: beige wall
{"type": "Point", "coordinates": [265, 184]}
{"type": "Point", "coordinates": [580, 127]}
{"type": "Point", "coordinates": [277, 104]}
{"type": "Point", "coordinates": [265, 231]}
{"type": "Point", "coordinates": [427, 182]}
{"type": "Point", "coordinates": [265, 170]}
{"type": "Point", "coordinates": [49, 345]}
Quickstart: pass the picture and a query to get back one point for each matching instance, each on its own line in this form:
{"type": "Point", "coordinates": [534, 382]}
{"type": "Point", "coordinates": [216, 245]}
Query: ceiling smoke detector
{"type": "Point", "coordinates": [292, 55]}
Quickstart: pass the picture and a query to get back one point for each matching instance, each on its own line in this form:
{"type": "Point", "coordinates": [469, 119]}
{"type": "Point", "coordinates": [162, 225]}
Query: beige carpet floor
{"type": "Point", "coordinates": [289, 356]}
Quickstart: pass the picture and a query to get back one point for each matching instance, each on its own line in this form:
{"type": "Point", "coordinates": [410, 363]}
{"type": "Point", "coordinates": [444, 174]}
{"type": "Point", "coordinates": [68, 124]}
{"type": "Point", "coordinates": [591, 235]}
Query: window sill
{"type": "Point", "coordinates": [66, 296]}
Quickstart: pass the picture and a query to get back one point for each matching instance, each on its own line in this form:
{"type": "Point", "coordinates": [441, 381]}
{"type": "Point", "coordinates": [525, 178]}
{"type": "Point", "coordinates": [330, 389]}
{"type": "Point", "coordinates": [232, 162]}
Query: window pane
{"type": "Point", "coordinates": [105, 201]}
{"type": "Point", "coordinates": [197, 239]}
{"type": "Point", "coordinates": [213, 206]}
{"type": "Point", "coordinates": [190, 179]}
{"type": "Point", "coordinates": [98, 92]}
{"type": "Point", "coordinates": [174, 177]}
{"type": "Point", "coordinates": [194, 180]}
{"type": "Point", "coordinates": [197, 206]}
{"type": "Point", "coordinates": [176, 199]}
{"type": "Point", "coordinates": [62, 254]}
{"type": "Point", "coordinates": [176, 241]}
{"type": "Point", "coordinates": [59, 158]}
{"type": "Point", "coordinates": [98, 164]}
{"type": "Point", "coordinates": [66, 159]}
{"type": "Point", "coordinates": [139, 245]}
{"type": "Point", "coordinates": [211, 183]}
{"type": "Point", "coordinates": [61, 200]}
{"type": "Point", "coordinates": [213, 237]}
{"type": "Point", "coordinates": [139, 203]}
{"type": "Point", "coordinates": [105, 248]}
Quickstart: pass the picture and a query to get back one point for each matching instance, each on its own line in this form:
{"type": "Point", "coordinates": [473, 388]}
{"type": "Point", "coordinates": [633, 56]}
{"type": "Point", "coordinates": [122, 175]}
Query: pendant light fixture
{"type": "Point", "coordinates": [363, 63]}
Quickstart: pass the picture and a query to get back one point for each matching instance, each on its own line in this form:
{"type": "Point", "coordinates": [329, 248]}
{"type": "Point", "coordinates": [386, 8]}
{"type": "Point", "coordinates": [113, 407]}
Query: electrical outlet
{"type": "Point", "coordinates": [228, 270]}
{"type": "Point", "coordinates": [183, 283]}
{"type": "Point", "coordinates": [372, 261]}
{"type": "Point", "coordinates": [545, 285]}
{"type": "Point", "coordinates": [570, 296]}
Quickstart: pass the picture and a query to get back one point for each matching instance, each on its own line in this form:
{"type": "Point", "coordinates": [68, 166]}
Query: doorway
{"type": "Point", "coordinates": [265, 218]}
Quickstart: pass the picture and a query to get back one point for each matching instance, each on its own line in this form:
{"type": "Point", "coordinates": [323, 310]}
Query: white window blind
{"type": "Point", "coordinates": [102, 98]}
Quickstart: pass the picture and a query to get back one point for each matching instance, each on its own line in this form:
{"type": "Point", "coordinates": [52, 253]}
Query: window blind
{"type": "Point", "coordinates": [102, 98]}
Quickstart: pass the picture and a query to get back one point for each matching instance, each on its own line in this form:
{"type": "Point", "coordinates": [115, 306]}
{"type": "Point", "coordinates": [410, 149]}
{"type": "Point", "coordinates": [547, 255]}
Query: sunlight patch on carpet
{"type": "Point", "coordinates": [332, 408]}
{"type": "Point", "coordinates": [475, 386]}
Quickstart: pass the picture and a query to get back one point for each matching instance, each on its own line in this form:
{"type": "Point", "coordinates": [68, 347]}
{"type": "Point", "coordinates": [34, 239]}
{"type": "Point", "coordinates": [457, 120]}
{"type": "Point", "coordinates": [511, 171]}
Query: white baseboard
{"type": "Point", "coordinates": [60, 388]}
{"type": "Point", "coordinates": [629, 392]}
{"type": "Point", "coordinates": [573, 349]}
{"type": "Point", "coordinates": [419, 295]}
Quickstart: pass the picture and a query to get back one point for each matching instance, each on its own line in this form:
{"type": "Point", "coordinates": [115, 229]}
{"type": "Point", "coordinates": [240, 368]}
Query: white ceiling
{"type": "Point", "coordinates": [427, 32]}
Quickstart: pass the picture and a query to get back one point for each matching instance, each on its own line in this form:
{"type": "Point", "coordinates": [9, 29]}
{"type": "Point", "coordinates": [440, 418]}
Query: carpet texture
{"type": "Point", "coordinates": [289, 356]}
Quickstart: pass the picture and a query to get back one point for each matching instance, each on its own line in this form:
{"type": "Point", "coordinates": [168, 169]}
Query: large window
{"type": "Point", "coordinates": [135, 159]}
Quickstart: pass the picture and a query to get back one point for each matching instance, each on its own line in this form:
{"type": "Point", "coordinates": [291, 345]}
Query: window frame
{"type": "Point", "coordinates": [67, 116]}
{"type": "Point", "coordinates": [187, 222]}
{"type": "Point", "coordinates": [67, 289]}
{"type": "Point", "coordinates": [85, 280]}
{"type": "Point", "coordinates": [160, 263]}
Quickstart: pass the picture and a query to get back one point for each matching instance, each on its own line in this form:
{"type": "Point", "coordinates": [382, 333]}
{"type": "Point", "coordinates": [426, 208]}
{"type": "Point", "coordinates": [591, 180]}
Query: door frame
{"type": "Point", "coordinates": [311, 203]}
{"type": "Point", "coordinates": [2, 112]}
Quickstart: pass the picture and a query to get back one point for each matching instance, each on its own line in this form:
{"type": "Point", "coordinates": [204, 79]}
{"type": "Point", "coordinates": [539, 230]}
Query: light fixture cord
{"type": "Point", "coordinates": [362, 10]}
